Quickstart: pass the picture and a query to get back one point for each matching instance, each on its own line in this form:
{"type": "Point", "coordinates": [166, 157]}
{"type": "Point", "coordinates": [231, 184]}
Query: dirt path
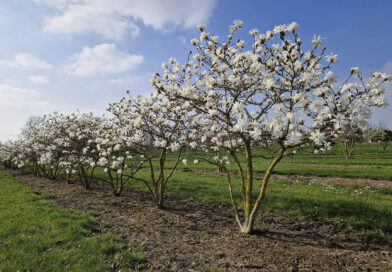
{"type": "Point", "coordinates": [336, 180]}
{"type": "Point", "coordinates": [338, 165]}
{"type": "Point", "coordinates": [313, 179]}
{"type": "Point", "coordinates": [190, 236]}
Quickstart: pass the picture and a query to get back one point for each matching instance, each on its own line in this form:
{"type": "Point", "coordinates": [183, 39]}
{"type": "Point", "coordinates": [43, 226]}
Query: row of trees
{"type": "Point", "coordinates": [226, 99]}
{"type": "Point", "coordinates": [352, 136]}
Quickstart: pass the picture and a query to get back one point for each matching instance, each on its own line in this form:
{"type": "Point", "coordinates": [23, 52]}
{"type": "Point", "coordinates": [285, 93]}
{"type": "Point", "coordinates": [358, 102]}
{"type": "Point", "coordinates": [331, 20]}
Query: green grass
{"type": "Point", "coordinates": [365, 209]}
{"type": "Point", "coordinates": [36, 235]}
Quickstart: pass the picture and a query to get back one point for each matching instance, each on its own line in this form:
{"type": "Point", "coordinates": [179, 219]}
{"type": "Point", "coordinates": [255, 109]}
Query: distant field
{"type": "Point", "coordinates": [36, 235]}
{"type": "Point", "coordinates": [368, 161]}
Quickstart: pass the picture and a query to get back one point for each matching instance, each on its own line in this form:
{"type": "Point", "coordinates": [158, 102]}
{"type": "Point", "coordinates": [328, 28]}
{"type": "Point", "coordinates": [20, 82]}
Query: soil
{"type": "Point", "coordinates": [339, 165]}
{"type": "Point", "coordinates": [336, 180]}
{"type": "Point", "coordinates": [314, 179]}
{"type": "Point", "coordinates": [191, 236]}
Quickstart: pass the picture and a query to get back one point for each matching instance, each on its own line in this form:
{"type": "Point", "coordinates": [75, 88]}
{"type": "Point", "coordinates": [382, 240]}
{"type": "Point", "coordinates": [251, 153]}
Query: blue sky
{"type": "Point", "coordinates": [72, 55]}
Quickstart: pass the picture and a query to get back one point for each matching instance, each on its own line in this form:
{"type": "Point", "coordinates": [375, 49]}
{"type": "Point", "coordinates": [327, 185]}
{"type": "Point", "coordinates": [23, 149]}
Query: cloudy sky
{"type": "Point", "coordinates": [70, 55]}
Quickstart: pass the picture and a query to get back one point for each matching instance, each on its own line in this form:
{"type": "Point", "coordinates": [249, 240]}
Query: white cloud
{"type": "Point", "coordinates": [131, 79]}
{"type": "Point", "coordinates": [387, 68]}
{"type": "Point", "coordinates": [161, 14]}
{"type": "Point", "coordinates": [16, 105]}
{"type": "Point", "coordinates": [16, 97]}
{"type": "Point", "coordinates": [86, 18]}
{"type": "Point", "coordinates": [182, 39]}
{"type": "Point", "coordinates": [39, 79]}
{"type": "Point", "coordinates": [27, 61]}
{"type": "Point", "coordinates": [2, 22]}
{"type": "Point", "coordinates": [115, 20]}
{"type": "Point", "coordinates": [103, 59]}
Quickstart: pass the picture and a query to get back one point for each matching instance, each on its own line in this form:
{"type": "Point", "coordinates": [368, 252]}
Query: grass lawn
{"type": "Point", "coordinates": [36, 235]}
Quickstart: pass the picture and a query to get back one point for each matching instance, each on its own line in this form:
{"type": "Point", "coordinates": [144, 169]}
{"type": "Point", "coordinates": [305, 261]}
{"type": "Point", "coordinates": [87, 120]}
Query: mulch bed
{"type": "Point", "coordinates": [191, 236]}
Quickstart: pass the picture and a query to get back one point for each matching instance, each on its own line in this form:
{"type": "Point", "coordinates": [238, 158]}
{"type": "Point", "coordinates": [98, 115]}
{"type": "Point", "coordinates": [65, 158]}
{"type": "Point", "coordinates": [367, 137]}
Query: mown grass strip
{"type": "Point", "coordinates": [36, 235]}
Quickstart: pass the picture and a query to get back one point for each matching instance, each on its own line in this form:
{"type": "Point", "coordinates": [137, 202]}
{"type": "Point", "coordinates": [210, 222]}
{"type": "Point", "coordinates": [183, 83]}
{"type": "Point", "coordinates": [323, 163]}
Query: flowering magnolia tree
{"type": "Point", "coordinates": [349, 137]}
{"type": "Point", "coordinates": [80, 134]}
{"type": "Point", "coordinates": [46, 144]}
{"type": "Point", "coordinates": [14, 154]}
{"type": "Point", "coordinates": [383, 137]}
{"type": "Point", "coordinates": [114, 148]}
{"type": "Point", "coordinates": [35, 149]}
{"type": "Point", "coordinates": [272, 95]}
{"type": "Point", "coordinates": [155, 126]}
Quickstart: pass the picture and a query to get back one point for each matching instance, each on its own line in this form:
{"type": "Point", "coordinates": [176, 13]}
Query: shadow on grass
{"type": "Point", "coordinates": [360, 215]}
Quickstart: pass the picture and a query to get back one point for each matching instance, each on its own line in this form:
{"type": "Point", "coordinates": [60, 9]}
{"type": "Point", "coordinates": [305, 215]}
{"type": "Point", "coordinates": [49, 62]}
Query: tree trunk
{"type": "Point", "coordinates": [161, 179]}
{"type": "Point", "coordinates": [84, 179]}
{"type": "Point", "coordinates": [248, 224]}
{"type": "Point", "coordinates": [249, 182]}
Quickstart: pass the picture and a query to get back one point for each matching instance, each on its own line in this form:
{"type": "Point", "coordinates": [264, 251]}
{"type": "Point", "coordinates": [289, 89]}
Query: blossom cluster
{"type": "Point", "coordinates": [273, 93]}
{"type": "Point", "coordinates": [153, 122]}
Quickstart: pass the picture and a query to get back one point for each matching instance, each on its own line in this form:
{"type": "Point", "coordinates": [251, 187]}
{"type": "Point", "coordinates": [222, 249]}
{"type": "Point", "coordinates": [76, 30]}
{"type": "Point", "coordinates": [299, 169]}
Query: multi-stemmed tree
{"type": "Point", "coordinates": [273, 95]}
{"type": "Point", "coordinates": [80, 134]}
{"type": "Point", "coordinates": [154, 127]}
{"type": "Point", "coordinates": [47, 144]}
{"type": "Point", "coordinates": [115, 147]}
{"type": "Point", "coordinates": [349, 137]}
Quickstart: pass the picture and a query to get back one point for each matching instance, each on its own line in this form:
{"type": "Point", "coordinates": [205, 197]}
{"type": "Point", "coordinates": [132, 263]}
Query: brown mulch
{"type": "Point", "coordinates": [190, 236]}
